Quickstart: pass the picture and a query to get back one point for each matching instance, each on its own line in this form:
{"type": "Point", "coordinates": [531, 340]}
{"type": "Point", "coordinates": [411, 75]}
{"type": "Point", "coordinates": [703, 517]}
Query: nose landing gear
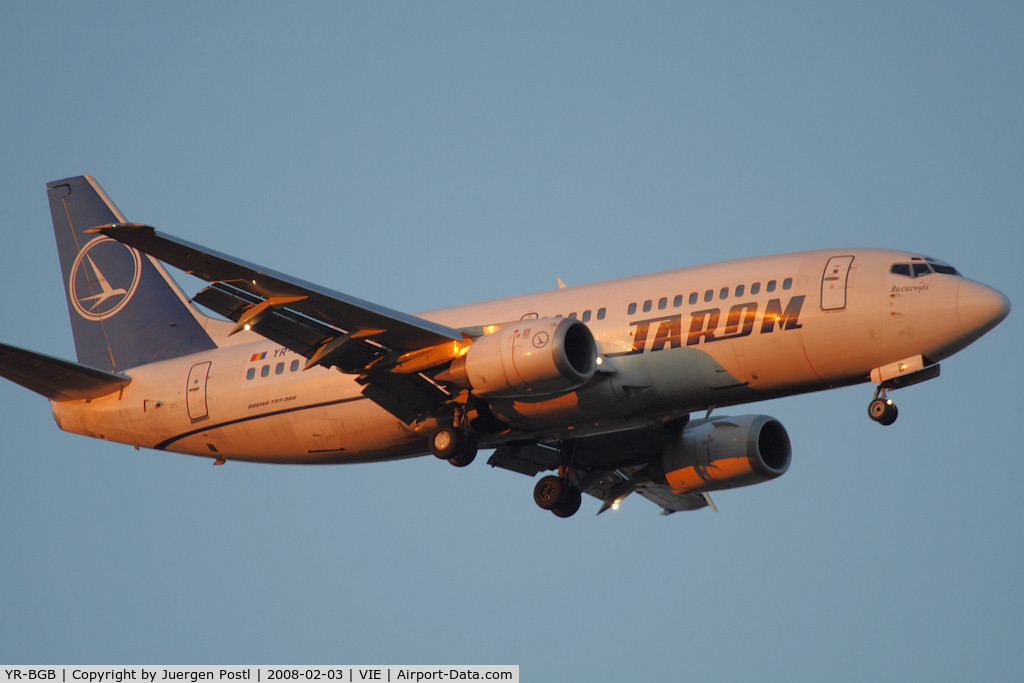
{"type": "Point", "coordinates": [881, 409]}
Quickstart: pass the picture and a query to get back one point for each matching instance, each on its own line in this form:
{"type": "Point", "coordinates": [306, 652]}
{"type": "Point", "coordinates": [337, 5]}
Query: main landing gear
{"type": "Point", "coordinates": [557, 494]}
{"type": "Point", "coordinates": [881, 409]}
{"type": "Point", "coordinates": [454, 445]}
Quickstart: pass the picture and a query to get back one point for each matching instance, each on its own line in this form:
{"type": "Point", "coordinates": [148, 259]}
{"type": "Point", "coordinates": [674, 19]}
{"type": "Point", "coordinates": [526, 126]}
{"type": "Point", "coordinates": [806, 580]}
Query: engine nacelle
{"type": "Point", "coordinates": [530, 358]}
{"type": "Point", "coordinates": [726, 452]}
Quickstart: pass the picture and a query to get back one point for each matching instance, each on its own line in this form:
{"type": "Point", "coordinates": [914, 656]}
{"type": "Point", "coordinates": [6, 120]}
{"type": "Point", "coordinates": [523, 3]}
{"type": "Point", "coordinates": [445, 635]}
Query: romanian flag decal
{"type": "Point", "coordinates": [258, 356]}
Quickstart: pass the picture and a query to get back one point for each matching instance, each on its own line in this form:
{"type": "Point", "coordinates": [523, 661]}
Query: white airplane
{"type": "Point", "coordinates": [596, 382]}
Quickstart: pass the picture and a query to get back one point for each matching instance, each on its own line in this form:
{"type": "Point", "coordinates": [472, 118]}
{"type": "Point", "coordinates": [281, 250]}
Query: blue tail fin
{"type": "Point", "coordinates": [125, 310]}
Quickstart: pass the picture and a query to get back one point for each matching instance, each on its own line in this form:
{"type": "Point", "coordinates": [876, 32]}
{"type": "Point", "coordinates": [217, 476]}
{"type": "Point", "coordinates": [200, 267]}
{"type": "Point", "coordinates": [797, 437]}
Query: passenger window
{"type": "Point", "coordinates": [755, 288]}
{"type": "Point", "coordinates": [787, 283]}
{"type": "Point", "coordinates": [279, 370]}
{"type": "Point", "coordinates": [771, 286]}
{"type": "Point", "coordinates": [662, 303]}
{"type": "Point", "coordinates": [723, 293]}
{"type": "Point", "coordinates": [586, 316]}
{"type": "Point", "coordinates": [601, 313]}
{"type": "Point", "coordinates": [250, 373]}
{"type": "Point", "coordinates": [709, 295]}
{"type": "Point", "coordinates": [295, 366]}
{"type": "Point", "coordinates": [647, 306]}
{"type": "Point", "coordinates": [265, 371]}
{"type": "Point", "coordinates": [693, 298]}
{"type": "Point", "coordinates": [739, 291]}
{"type": "Point", "coordinates": [678, 301]}
{"type": "Point", "coordinates": [632, 309]}
{"type": "Point", "coordinates": [572, 315]}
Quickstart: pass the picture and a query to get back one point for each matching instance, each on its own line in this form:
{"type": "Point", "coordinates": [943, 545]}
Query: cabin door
{"type": "Point", "coordinates": [833, 283]}
{"type": "Point", "coordinates": [197, 377]}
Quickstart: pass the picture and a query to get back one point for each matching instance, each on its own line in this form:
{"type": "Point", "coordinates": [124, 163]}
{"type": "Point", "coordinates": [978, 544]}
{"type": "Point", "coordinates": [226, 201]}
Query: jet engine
{"type": "Point", "coordinates": [727, 452]}
{"type": "Point", "coordinates": [530, 358]}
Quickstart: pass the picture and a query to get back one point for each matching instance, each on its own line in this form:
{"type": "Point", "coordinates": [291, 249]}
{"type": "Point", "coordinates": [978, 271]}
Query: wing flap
{"type": "Point", "coordinates": [407, 397]}
{"type": "Point", "coordinates": [611, 487]}
{"type": "Point", "coordinates": [279, 324]}
{"type": "Point", "coordinates": [56, 379]}
{"type": "Point", "coordinates": [662, 496]}
{"type": "Point", "coordinates": [525, 457]}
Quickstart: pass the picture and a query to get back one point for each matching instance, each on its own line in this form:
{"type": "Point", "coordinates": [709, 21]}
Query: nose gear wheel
{"type": "Point", "coordinates": [881, 409]}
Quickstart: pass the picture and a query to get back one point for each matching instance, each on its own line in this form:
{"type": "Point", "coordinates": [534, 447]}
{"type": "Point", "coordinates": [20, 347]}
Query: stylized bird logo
{"type": "Point", "coordinates": [86, 276]}
{"type": "Point", "coordinates": [106, 291]}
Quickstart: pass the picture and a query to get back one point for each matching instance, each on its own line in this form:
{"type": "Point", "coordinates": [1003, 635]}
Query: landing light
{"type": "Point", "coordinates": [247, 327]}
{"type": "Point", "coordinates": [599, 360]}
{"type": "Point", "coordinates": [615, 505]}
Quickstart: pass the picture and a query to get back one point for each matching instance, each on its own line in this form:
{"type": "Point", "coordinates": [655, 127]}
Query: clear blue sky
{"type": "Point", "coordinates": [427, 154]}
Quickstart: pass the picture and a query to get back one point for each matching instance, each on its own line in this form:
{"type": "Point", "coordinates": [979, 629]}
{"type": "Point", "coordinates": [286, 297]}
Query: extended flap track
{"type": "Point", "coordinates": [408, 395]}
{"type": "Point", "coordinates": [351, 352]}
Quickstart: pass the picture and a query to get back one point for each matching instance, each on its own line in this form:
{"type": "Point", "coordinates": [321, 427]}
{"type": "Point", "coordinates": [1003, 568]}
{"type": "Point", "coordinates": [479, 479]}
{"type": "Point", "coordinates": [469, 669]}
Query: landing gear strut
{"type": "Point", "coordinates": [881, 409]}
{"type": "Point", "coordinates": [558, 495]}
{"type": "Point", "coordinates": [456, 446]}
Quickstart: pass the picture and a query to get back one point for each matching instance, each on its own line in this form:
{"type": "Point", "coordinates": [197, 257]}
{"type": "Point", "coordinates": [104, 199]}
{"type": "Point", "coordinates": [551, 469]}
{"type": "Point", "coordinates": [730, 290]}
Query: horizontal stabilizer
{"type": "Point", "coordinates": [56, 379]}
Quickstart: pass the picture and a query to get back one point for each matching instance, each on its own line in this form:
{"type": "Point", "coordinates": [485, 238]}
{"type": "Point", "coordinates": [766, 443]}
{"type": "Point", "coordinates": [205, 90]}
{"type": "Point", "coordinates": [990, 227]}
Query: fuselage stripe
{"type": "Point", "coordinates": [163, 445]}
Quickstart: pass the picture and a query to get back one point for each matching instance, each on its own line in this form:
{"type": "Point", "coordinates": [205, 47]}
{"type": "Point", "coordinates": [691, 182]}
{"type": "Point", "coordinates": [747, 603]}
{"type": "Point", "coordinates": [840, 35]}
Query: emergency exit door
{"type": "Point", "coordinates": [197, 377]}
{"type": "Point", "coordinates": [834, 283]}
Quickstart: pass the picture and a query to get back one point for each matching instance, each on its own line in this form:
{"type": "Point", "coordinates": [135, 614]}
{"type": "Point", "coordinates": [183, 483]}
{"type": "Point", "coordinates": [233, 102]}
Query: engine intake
{"type": "Point", "coordinates": [727, 452]}
{"type": "Point", "coordinates": [530, 358]}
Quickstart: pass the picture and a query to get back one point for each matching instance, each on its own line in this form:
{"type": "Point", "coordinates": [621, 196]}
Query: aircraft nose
{"type": "Point", "coordinates": [980, 307]}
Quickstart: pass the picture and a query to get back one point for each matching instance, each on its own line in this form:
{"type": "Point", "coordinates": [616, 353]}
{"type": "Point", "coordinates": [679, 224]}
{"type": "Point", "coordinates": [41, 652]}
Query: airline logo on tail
{"type": "Point", "coordinates": [104, 278]}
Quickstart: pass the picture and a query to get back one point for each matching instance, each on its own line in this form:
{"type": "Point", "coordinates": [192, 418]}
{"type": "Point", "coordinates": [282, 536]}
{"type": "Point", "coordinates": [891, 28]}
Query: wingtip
{"type": "Point", "coordinates": [110, 227]}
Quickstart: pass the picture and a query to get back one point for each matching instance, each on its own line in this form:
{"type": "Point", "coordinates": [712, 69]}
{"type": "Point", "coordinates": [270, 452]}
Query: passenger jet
{"type": "Point", "coordinates": [610, 386]}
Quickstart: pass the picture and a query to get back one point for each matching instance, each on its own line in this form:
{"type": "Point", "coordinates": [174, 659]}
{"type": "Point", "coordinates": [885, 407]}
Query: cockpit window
{"type": "Point", "coordinates": [941, 267]}
{"type": "Point", "coordinates": [921, 267]}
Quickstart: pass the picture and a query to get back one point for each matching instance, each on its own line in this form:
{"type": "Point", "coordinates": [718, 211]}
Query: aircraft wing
{"type": "Point", "coordinates": [612, 465]}
{"type": "Point", "coordinates": [327, 327]}
{"type": "Point", "coordinates": [56, 379]}
{"type": "Point", "coordinates": [612, 487]}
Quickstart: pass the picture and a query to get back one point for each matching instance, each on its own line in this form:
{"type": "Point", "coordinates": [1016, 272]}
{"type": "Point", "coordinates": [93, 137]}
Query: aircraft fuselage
{"type": "Point", "coordinates": [670, 344]}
